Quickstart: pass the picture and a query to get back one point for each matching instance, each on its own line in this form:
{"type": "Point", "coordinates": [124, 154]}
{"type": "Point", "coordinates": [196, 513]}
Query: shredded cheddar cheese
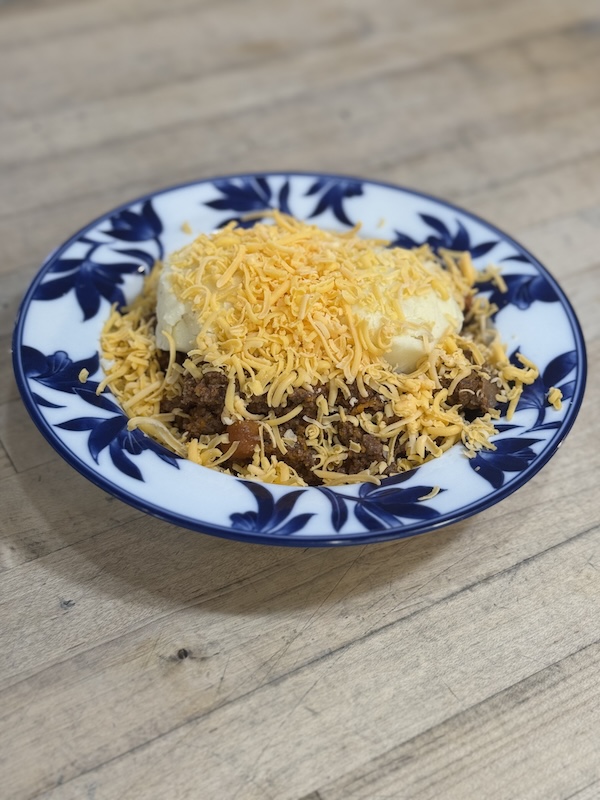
{"type": "Point", "coordinates": [286, 306]}
{"type": "Point", "coordinates": [555, 397]}
{"type": "Point", "coordinates": [430, 495]}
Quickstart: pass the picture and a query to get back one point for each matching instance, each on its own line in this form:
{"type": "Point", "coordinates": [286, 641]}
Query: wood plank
{"type": "Point", "coordinates": [49, 220]}
{"type": "Point", "coordinates": [8, 387]}
{"type": "Point", "coordinates": [555, 193]}
{"type": "Point", "coordinates": [574, 285]}
{"type": "Point", "coordinates": [589, 792]}
{"type": "Point", "coordinates": [555, 242]}
{"type": "Point", "coordinates": [429, 667]}
{"type": "Point", "coordinates": [22, 441]}
{"type": "Point", "coordinates": [13, 289]}
{"type": "Point", "coordinates": [486, 162]}
{"type": "Point", "coordinates": [166, 47]}
{"type": "Point", "coordinates": [6, 467]}
{"type": "Point", "coordinates": [28, 23]}
{"type": "Point", "coordinates": [549, 723]}
{"type": "Point", "coordinates": [441, 84]}
{"type": "Point", "coordinates": [474, 163]}
{"type": "Point", "coordinates": [50, 507]}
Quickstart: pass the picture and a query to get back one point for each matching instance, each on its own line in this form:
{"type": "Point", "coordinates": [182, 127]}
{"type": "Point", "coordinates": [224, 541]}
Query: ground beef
{"type": "Point", "coordinates": [356, 403]}
{"type": "Point", "coordinates": [300, 396]}
{"type": "Point", "coordinates": [475, 394]}
{"type": "Point", "coordinates": [299, 456]}
{"type": "Point", "coordinates": [163, 357]}
{"type": "Point", "coordinates": [202, 402]}
{"type": "Point", "coordinates": [258, 405]}
{"type": "Point", "coordinates": [371, 448]}
{"type": "Point", "coordinates": [307, 398]}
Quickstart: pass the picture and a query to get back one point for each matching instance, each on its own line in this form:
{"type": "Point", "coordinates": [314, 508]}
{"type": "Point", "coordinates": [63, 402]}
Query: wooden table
{"type": "Point", "coordinates": [139, 660]}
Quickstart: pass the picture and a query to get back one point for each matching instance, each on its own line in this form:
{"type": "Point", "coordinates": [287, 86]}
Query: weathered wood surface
{"type": "Point", "coordinates": [461, 664]}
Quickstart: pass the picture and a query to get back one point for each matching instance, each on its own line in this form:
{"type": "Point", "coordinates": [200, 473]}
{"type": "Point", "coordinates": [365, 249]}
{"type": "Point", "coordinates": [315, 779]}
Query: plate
{"type": "Point", "coordinates": [61, 317]}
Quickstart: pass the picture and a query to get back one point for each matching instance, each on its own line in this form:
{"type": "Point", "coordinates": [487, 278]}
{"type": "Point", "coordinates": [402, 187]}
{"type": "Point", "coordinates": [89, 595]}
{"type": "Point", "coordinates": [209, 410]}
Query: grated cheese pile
{"type": "Point", "coordinates": [285, 305]}
{"type": "Point", "coordinates": [287, 302]}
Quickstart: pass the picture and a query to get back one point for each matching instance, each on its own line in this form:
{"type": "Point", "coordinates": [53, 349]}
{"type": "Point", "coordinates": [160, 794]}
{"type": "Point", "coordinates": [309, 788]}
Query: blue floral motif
{"type": "Point", "coordinates": [513, 454]}
{"type": "Point", "coordinates": [521, 291]}
{"type": "Point", "coordinates": [248, 195]}
{"type": "Point", "coordinates": [380, 507]}
{"type": "Point", "coordinates": [332, 193]}
{"type": "Point", "coordinates": [57, 371]}
{"type": "Point", "coordinates": [443, 238]}
{"type": "Point", "coordinates": [112, 433]}
{"type": "Point", "coordinates": [339, 507]}
{"type": "Point", "coordinates": [384, 506]}
{"type": "Point", "coordinates": [518, 257]}
{"type": "Point", "coordinates": [137, 226]}
{"type": "Point", "coordinates": [89, 279]}
{"type": "Point", "coordinates": [273, 516]}
{"type": "Point", "coordinates": [535, 395]}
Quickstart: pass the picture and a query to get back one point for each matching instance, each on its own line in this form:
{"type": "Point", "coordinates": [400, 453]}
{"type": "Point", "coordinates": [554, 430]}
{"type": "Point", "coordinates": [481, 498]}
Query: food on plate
{"type": "Point", "coordinates": [295, 355]}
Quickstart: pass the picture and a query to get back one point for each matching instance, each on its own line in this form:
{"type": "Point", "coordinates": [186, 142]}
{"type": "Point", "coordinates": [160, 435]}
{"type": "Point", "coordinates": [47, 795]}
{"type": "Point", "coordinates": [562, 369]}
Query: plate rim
{"type": "Point", "coordinates": [329, 539]}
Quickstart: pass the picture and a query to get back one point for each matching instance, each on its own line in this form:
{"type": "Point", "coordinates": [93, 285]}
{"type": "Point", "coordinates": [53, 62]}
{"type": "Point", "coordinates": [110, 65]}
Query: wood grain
{"type": "Point", "coordinates": [139, 660]}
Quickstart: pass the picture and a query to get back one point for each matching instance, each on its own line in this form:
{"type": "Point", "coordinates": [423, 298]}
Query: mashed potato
{"type": "Point", "coordinates": [425, 310]}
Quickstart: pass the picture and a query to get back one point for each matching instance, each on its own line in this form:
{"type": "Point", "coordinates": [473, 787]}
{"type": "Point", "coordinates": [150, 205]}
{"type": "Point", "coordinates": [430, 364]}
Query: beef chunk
{"type": "Point", "coordinates": [201, 422]}
{"type": "Point", "coordinates": [475, 394]}
{"type": "Point", "coordinates": [348, 432]}
{"type": "Point", "coordinates": [203, 401]}
{"type": "Point", "coordinates": [209, 391]}
{"type": "Point", "coordinates": [163, 357]}
{"type": "Point", "coordinates": [356, 403]}
{"type": "Point", "coordinates": [302, 458]}
{"type": "Point", "coordinates": [306, 398]}
{"type": "Point", "coordinates": [300, 396]}
{"type": "Point", "coordinates": [258, 405]}
{"type": "Point", "coordinates": [371, 448]}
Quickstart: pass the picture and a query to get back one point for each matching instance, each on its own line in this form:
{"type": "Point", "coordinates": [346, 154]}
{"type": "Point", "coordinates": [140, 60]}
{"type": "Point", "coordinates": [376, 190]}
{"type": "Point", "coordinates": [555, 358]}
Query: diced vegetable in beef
{"type": "Point", "coordinates": [246, 434]}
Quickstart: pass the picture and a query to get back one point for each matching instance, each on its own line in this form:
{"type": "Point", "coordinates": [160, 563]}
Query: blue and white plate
{"type": "Point", "coordinates": [59, 324]}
